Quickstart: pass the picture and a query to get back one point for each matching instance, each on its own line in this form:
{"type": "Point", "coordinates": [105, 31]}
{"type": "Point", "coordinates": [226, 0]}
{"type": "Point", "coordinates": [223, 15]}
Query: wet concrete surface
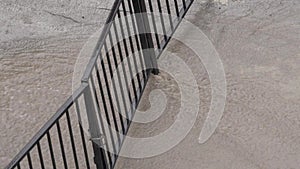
{"type": "Point", "coordinates": [258, 43]}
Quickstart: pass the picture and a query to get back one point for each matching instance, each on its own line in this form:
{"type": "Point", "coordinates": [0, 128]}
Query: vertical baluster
{"type": "Point", "coordinates": [72, 139]}
{"type": "Point", "coordinates": [154, 24]}
{"type": "Point", "coordinates": [29, 160]}
{"type": "Point", "coordinates": [40, 155]}
{"type": "Point", "coordinates": [61, 145]}
{"type": "Point", "coordinates": [184, 4]}
{"type": "Point", "coordinates": [51, 150]}
{"type": "Point", "coordinates": [162, 20]}
{"type": "Point", "coordinates": [170, 15]}
{"type": "Point", "coordinates": [176, 8]}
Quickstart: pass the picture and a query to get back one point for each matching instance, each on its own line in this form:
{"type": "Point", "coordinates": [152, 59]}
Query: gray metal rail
{"type": "Point", "coordinates": [110, 91]}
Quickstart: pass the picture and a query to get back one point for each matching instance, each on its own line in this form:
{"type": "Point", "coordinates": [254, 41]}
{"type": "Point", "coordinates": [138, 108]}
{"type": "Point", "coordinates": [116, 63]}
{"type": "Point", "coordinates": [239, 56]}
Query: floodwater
{"type": "Point", "coordinates": [257, 41]}
{"type": "Point", "coordinates": [39, 45]}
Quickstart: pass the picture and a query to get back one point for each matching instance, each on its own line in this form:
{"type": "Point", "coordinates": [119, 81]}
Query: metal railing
{"type": "Point", "coordinates": [135, 35]}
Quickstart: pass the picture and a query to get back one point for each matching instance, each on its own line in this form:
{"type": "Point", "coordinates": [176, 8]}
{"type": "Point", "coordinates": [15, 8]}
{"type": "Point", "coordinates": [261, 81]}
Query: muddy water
{"type": "Point", "coordinates": [31, 91]}
{"type": "Point", "coordinates": [258, 42]}
{"type": "Point", "coordinates": [39, 45]}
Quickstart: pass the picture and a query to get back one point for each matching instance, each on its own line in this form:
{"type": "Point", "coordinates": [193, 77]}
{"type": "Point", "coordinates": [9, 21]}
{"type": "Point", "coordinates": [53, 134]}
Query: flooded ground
{"type": "Point", "coordinates": [258, 43]}
{"type": "Point", "coordinates": [39, 45]}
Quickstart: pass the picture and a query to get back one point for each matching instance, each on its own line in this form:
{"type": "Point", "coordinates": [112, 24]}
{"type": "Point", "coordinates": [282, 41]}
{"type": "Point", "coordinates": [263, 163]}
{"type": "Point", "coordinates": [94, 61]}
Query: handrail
{"type": "Point", "coordinates": [101, 39]}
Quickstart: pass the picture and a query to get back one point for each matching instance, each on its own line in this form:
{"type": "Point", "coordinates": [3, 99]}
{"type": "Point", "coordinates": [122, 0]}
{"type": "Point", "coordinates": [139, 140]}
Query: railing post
{"type": "Point", "coordinates": [145, 35]}
{"type": "Point", "coordinates": [94, 129]}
